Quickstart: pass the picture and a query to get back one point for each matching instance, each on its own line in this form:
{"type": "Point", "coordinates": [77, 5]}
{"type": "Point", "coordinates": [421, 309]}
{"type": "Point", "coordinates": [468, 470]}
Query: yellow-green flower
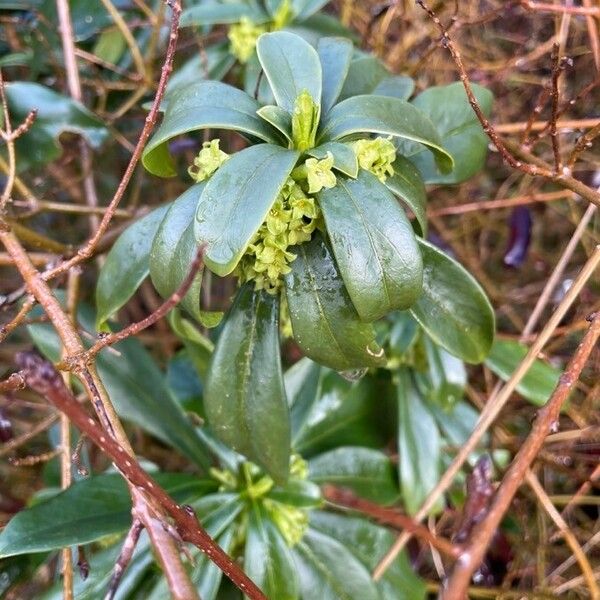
{"type": "Point", "coordinates": [376, 155]}
{"type": "Point", "coordinates": [209, 159]}
{"type": "Point", "coordinates": [242, 37]}
{"type": "Point", "coordinates": [319, 174]}
{"type": "Point", "coordinates": [291, 221]}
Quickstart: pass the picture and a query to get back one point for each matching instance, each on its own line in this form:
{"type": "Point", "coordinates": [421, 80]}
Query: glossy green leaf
{"type": "Point", "coordinates": [335, 55]}
{"type": "Point", "coordinates": [329, 411]}
{"type": "Point", "coordinates": [199, 347]}
{"type": "Point", "coordinates": [386, 116]}
{"type": "Point", "coordinates": [245, 399]}
{"type": "Point", "coordinates": [204, 105]}
{"type": "Point", "coordinates": [406, 183]}
{"type": "Point", "coordinates": [456, 424]}
{"type": "Point", "coordinates": [291, 66]}
{"type": "Point", "coordinates": [297, 492]}
{"type": "Point", "coordinates": [364, 74]}
{"type": "Point", "coordinates": [369, 543]}
{"type": "Point", "coordinates": [403, 333]}
{"type": "Point", "coordinates": [212, 13]}
{"type": "Point", "coordinates": [183, 382]}
{"type": "Point", "coordinates": [136, 387]}
{"type": "Point", "coordinates": [126, 265]}
{"type": "Point", "coordinates": [418, 445]}
{"type": "Point", "coordinates": [267, 558]}
{"type": "Point", "coordinates": [173, 250]}
{"type": "Point", "coordinates": [236, 202]}
{"type": "Point", "coordinates": [397, 86]}
{"type": "Point", "coordinates": [453, 309]}
{"type": "Point", "coordinates": [87, 18]}
{"type": "Point", "coordinates": [368, 473]}
{"type": "Point", "coordinates": [279, 118]}
{"type": "Point", "coordinates": [86, 511]}
{"type": "Point", "coordinates": [329, 571]}
{"type": "Point", "coordinates": [319, 25]}
{"type": "Point", "coordinates": [56, 114]}
{"type": "Point", "coordinates": [446, 374]}
{"type": "Point", "coordinates": [344, 158]}
{"type": "Point", "coordinates": [374, 245]}
{"type": "Point", "coordinates": [325, 323]}
{"type": "Point", "coordinates": [306, 8]}
{"type": "Point", "coordinates": [213, 63]}
{"type": "Point", "coordinates": [539, 381]}
{"type": "Point", "coordinates": [461, 133]}
{"type": "Point", "coordinates": [102, 565]}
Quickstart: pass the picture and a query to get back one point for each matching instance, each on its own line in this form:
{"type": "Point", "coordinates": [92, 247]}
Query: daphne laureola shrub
{"type": "Point", "coordinates": [311, 219]}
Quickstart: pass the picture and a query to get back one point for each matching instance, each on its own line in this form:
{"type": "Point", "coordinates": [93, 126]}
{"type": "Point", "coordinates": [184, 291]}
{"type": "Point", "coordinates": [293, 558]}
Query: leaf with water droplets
{"type": "Point", "coordinates": [453, 309]}
{"type": "Point", "coordinates": [325, 323]}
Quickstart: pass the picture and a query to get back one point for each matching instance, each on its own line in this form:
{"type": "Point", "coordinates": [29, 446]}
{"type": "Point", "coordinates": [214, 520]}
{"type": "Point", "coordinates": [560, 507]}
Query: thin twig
{"type": "Point", "coordinates": [494, 406]}
{"type": "Point", "coordinates": [389, 516]}
{"type": "Point", "coordinates": [88, 249]}
{"type": "Point", "coordinates": [125, 556]}
{"type": "Point", "coordinates": [482, 533]}
{"type": "Point", "coordinates": [156, 315]}
{"type": "Point", "coordinates": [42, 377]}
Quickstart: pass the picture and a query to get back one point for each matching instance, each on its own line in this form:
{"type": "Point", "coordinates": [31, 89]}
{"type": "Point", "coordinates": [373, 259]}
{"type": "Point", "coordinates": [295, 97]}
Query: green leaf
{"type": "Point", "coordinates": [86, 511]}
{"type": "Point", "coordinates": [329, 571]}
{"type": "Point", "coordinates": [56, 114]}
{"type": "Point", "coordinates": [456, 424]}
{"type": "Point", "coordinates": [297, 492]}
{"type": "Point", "coordinates": [199, 347]}
{"type": "Point", "coordinates": [244, 398]}
{"type": "Point", "coordinates": [136, 387]}
{"type": "Point", "coordinates": [335, 55]}
{"type": "Point", "coordinates": [539, 381]}
{"type": "Point", "coordinates": [267, 559]}
{"type": "Point", "coordinates": [447, 375]}
{"type": "Point", "coordinates": [329, 411]}
{"type": "Point", "coordinates": [397, 86]}
{"type": "Point", "coordinates": [369, 543]}
{"type": "Point", "coordinates": [236, 202]}
{"type": "Point", "coordinates": [213, 13]}
{"type": "Point", "coordinates": [453, 309]}
{"type": "Point", "coordinates": [126, 265]}
{"type": "Point", "coordinates": [368, 473]}
{"type": "Point", "coordinates": [203, 105]}
{"type": "Point", "coordinates": [344, 158]}
{"type": "Point", "coordinates": [386, 116]}
{"type": "Point", "coordinates": [173, 250]}
{"type": "Point", "coordinates": [102, 565]}
{"type": "Point", "coordinates": [374, 245]}
{"type": "Point", "coordinates": [364, 74]}
{"type": "Point", "coordinates": [306, 8]}
{"type": "Point", "coordinates": [326, 325]}
{"type": "Point", "coordinates": [279, 118]}
{"type": "Point", "coordinates": [461, 133]}
{"type": "Point", "coordinates": [418, 445]}
{"type": "Point", "coordinates": [406, 183]}
{"type": "Point", "coordinates": [213, 64]}
{"type": "Point", "coordinates": [291, 66]}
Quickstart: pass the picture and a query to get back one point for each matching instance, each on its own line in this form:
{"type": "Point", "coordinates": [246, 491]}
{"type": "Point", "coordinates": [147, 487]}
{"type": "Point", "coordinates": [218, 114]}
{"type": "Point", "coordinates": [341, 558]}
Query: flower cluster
{"type": "Point", "coordinates": [295, 213]}
{"type": "Point", "coordinates": [251, 483]}
{"type": "Point", "coordinates": [376, 155]}
{"type": "Point", "coordinates": [243, 35]}
{"type": "Point", "coordinates": [209, 159]}
{"type": "Point", "coordinates": [291, 221]}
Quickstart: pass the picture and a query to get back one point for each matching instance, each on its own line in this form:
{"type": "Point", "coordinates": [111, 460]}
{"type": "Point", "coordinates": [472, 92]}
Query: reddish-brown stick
{"type": "Point", "coordinates": [41, 376]}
